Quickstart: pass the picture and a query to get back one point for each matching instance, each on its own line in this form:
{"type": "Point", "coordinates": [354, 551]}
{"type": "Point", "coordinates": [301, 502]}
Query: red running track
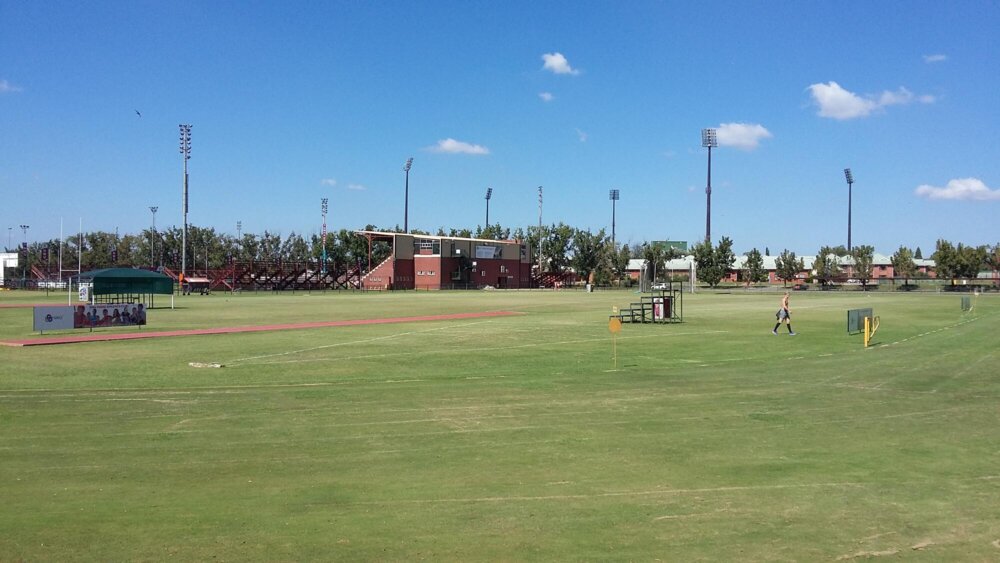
{"type": "Point", "coordinates": [101, 337]}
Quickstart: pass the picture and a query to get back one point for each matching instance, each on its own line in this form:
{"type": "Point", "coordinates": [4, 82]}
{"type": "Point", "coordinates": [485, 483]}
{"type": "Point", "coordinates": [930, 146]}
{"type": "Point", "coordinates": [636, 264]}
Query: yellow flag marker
{"type": "Point", "coordinates": [615, 326]}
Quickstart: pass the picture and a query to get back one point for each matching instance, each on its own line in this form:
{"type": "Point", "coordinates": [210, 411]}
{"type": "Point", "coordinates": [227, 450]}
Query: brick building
{"type": "Point", "coordinates": [442, 262]}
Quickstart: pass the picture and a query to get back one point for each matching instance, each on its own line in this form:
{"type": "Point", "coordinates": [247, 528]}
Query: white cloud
{"type": "Point", "coordinates": [8, 87]}
{"type": "Point", "coordinates": [938, 58]}
{"type": "Point", "coordinates": [960, 189]}
{"type": "Point", "coordinates": [451, 146]}
{"type": "Point", "coordinates": [546, 96]}
{"type": "Point", "coordinates": [356, 187]}
{"type": "Point", "coordinates": [746, 136]}
{"type": "Point", "coordinates": [328, 182]}
{"type": "Point", "coordinates": [558, 64]}
{"type": "Point", "coordinates": [582, 136]}
{"type": "Point", "coordinates": [837, 103]}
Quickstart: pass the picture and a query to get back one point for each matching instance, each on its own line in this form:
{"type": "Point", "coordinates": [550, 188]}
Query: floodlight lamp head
{"type": "Point", "coordinates": [709, 138]}
{"type": "Point", "coordinates": [489, 193]}
{"type": "Point", "coordinates": [613, 195]}
{"type": "Point", "coordinates": [409, 163]}
{"type": "Point", "coordinates": [849, 175]}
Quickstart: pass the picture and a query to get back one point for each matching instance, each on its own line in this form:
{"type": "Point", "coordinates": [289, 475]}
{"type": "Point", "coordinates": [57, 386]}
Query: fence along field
{"type": "Point", "coordinates": [509, 438]}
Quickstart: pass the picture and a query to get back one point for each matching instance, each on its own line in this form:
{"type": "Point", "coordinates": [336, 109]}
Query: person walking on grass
{"type": "Point", "coordinates": [784, 315]}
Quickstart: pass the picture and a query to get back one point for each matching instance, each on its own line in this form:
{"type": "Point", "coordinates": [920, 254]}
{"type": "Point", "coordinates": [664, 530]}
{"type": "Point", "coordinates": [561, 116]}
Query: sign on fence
{"type": "Point", "coordinates": [89, 316]}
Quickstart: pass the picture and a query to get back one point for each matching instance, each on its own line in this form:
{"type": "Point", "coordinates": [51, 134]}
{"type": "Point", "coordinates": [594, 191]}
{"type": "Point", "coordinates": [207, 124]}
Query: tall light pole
{"type": "Point", "coordinates": [850, 185]}
{"type": "Point", "coordinates": [324, 207]}
{"type": "Point", "coordinates": [709, 140]}
{"type": "Point", "coordinates": [152, 241]}
{"type": "Point", "coordinates": [239, 248]}
{"type": "Point", "coordinates": [24, 268]}
{"type": "Point", "coordinates": [539, 232]}
{"type": "Point", "coordinates": [489, 196]}
{"type": "Point", "coordinates": [613, 195]}
{"type": "Point", "coordinates": [9, 229]}
{"type": "Point", "coordinates": [406, 201]}
{"type": "Point", "coordinates": [186, 154]}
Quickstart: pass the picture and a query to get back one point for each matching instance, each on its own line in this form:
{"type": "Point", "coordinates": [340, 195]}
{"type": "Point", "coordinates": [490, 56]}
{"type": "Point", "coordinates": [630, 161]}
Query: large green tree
{"type": "Point", "coordinates": [903, 265]}
{"type": "Point", "coordinates": [753, 268]}
{"type": "Point", "coordinates": [619, 261]}
{"type": "Point", "coordinates": [714, 262]}
{"type": "Point", "coordinates": [827, 265]}
{"type": "Point", "coordinates": [863, 256]}
{"type": "Point", "coordinates": [556, 247]}
{"type": "Point", "coordinates": [589, 252]}
{"type": "Point", "coordinates": [656, 257]}
{"type": "Point", "coordinates": [993, 261]}
{"type": "Point", "coordinates": [787, 266]}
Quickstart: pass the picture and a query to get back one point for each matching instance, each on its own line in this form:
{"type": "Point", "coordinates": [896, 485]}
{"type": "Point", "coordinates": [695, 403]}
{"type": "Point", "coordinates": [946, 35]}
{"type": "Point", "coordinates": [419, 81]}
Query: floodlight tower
{"type": "Point", "coordinates": [186, 155]}
{"type": "Point", "coordinates": [323, 205]}
{"type": "Point", "coordinates": [152, 233]}
{"type": "Point", "coordinates": [406, 201]}
{"type": "Point", "coordinates": [539, 232]}
{"type": "Point", "coordinates": [613, 195]}
{"type": "Point", "coordinates": [239, 239]}
{"type": "Point", "coordinates": [489, 195]}
{"type": "Point", "coordinates": [24, 268]}
{"type": "Point", "coordinates": [850, 185]}
{"type": "Point", "coordinates": [709, 140]}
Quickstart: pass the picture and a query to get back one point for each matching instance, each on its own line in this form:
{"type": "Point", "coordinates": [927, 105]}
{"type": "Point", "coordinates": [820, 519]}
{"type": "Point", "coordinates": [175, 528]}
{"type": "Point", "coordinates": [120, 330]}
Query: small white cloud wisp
{"type": "Point", "coordinates": [959, 189]}
{"type": "Point", "coordinates": [558, 64]}
{"type": "Point", "coordinates": [937, 58]}
{"type": "Point", "coordinates": [451, 146]}
{"type": "Point", "coordinates": [8, 87]}
{"type": "Point", "coordinates": [328, 182]}
{"type": "Point", "coordinates": [546, 96]}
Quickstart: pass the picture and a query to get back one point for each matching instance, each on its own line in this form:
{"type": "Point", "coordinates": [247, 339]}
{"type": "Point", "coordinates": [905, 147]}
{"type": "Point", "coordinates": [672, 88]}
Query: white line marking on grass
{"type": "Point", "coordinates": [464, 351]}
{"type": "Point", "coordinates": [615, 494]}
{"type": "Point", "coordinates": [364, 341]}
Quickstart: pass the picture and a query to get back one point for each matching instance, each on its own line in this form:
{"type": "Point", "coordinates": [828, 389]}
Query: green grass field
{"type": "Point", "coordinates": [508, 438]}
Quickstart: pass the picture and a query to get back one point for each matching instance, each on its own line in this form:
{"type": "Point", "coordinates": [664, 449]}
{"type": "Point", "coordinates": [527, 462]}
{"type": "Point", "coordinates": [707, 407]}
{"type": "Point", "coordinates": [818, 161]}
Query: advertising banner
{"type": "Point", "coordinates": [84, 291]}
{"type": "Point", "coordinates": [89, 316]}
{"type": "Point", "coordinates": [52, 318]}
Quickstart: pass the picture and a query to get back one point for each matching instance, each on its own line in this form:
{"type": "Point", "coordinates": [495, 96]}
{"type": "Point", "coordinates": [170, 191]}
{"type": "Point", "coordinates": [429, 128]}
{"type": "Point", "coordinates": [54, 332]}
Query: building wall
{"type": "Point", "coordinates": [429, 272]}
{"type": "Point", "coordinates": [381, 276]}
{"type": "Point", "coordinates": [404, 274]}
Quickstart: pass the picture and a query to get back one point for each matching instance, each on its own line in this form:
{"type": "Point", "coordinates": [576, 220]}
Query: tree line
{"type": "Point", "coordinates": [557, 247]}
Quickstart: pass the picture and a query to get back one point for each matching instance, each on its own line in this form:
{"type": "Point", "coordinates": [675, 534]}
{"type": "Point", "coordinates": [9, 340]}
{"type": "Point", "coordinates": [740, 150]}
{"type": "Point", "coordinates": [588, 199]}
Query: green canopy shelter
{"type": "Point", "coordinates": [126, 285]}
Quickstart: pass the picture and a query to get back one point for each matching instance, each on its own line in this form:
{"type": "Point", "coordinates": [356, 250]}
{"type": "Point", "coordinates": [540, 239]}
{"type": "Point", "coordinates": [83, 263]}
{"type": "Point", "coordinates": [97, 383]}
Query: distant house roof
{"type": "Point", "coordinates": [770, 262]}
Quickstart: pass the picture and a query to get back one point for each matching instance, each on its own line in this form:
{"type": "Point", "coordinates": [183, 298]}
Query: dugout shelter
{"type": "Point", "coordinates": [125, 285]}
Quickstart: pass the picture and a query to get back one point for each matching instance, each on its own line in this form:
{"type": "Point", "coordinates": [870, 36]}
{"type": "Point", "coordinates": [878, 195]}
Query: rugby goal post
{"type": "Point", "coordinates": [871, 326]}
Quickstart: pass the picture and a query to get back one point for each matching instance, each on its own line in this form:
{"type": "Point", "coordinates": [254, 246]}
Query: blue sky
{"type": "Point", "coordinates": [290, 102]}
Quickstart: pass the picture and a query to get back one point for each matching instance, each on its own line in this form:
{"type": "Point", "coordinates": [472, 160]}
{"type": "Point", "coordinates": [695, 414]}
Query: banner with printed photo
{"type": "Point", "coordinates": [102, 315]}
